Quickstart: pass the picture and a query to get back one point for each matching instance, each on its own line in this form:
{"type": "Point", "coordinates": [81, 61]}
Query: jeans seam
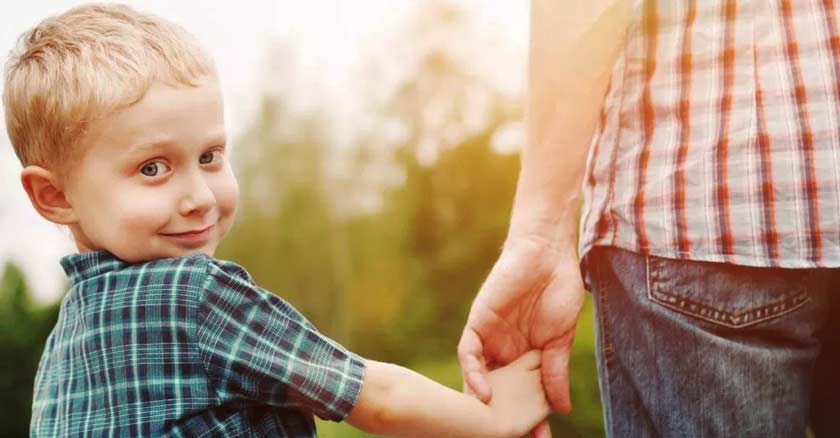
{"type": "Point", "coordinates": [606, 351]}
{"type": "Point", "coordinates": [608, 348]}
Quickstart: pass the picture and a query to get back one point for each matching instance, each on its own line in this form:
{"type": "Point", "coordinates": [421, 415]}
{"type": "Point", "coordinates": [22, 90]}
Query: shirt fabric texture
{"type": "Point", "coordinates": [719, 138]}
{"type": "Point", "coordinates": [186, 346]}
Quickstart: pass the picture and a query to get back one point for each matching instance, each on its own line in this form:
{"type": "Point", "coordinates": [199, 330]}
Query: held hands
{"type": "Point", "coordinates": [531, 300]}
{"type": "Point", "coordinates": [518, 402]}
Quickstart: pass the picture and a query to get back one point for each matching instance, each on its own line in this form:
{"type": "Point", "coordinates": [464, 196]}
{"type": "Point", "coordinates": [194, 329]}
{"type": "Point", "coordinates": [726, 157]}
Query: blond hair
{"type": "Point", "coordinates": [78, 66]}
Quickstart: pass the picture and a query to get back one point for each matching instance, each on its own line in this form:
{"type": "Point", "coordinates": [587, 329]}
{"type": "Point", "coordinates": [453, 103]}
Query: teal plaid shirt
{"type": "Point", "coordinates": [186, 346]}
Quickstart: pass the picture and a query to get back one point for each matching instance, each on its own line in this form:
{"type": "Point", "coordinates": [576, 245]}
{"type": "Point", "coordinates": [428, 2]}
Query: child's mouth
{"type": "Point", "coordinates": [192, 237]}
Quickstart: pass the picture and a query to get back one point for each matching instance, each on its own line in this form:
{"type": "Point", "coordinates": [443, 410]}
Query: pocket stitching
{"type": "Point", "coordinates": [727, 319]}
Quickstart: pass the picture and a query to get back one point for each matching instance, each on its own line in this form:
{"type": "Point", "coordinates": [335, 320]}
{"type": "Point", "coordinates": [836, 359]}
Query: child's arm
{"type": "Point", "coordinates": [399, 402]}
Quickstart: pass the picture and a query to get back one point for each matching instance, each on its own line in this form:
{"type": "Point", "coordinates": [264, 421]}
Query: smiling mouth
{"type": "Point", "coordinates": [193, 235]}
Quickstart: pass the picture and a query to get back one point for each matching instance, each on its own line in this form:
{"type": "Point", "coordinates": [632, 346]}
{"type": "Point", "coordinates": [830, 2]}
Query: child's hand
{"type": "Point", "coordinates": [519, 402]}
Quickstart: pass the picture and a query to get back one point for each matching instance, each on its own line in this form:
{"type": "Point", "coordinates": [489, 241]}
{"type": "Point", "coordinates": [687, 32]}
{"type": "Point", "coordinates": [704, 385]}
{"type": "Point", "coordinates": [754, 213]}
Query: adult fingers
{"type": "Point", "coordinates": [555, 374]}
{"type": "Point", "coordinates": [473, 369]}
{"type": "Point", "coordinates": [541, 430]}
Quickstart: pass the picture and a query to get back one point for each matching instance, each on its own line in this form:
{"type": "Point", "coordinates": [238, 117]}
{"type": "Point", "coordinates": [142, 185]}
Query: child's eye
{"type": "Point", "coordinates": [209, 156]}
{"type": "Point", "coordinates": [153, 168]}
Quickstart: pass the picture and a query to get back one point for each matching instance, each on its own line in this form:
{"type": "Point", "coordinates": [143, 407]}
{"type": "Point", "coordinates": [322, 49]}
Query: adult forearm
{"type": "Point", "coordinates": [396, 401]}
{"type": "Point", "coordinates": [573, 47]}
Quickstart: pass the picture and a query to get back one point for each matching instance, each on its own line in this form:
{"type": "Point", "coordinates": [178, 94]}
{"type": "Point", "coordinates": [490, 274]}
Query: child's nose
{"type": "Point", "coordinates": [198, 197]}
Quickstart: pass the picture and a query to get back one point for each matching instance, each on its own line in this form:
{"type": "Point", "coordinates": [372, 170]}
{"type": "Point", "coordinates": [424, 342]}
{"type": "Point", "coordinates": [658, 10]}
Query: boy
{"type": "Point", "coordinates": [117, 119]}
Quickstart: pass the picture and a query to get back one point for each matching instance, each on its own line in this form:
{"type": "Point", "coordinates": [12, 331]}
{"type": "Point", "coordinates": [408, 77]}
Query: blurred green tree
{"type": "Point", "coordinates": [286, 233]}
{"type": "Point", "coordinates": [395, 281]}
{"type": "Point", "coordinates": [23, 330]}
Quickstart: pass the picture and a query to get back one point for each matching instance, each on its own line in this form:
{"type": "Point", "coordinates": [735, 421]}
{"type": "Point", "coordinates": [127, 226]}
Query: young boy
{"type": "Point", "coordinates": [117, 119]}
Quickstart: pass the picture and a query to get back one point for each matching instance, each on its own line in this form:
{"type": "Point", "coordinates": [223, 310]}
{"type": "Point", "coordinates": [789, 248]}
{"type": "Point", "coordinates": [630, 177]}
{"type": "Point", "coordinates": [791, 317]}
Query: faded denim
{"type": "Point", "coordinates": [699, 349]}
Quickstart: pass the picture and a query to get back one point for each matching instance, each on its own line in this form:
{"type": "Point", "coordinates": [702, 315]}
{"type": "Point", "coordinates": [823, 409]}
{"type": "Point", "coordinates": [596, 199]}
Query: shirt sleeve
{"type": "Point", "coordinates": [256, 347]}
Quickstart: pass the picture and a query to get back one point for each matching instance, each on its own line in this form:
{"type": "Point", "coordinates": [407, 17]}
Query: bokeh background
{"type": "Point", "coordinates": [375, 142]}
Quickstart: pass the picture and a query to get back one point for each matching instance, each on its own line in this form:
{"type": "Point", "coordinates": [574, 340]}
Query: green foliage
{"type": "Point", "coordinates": [23, 331]}
{"type": "Point", "coordinates": [437, 236]}
{"type": "Point", "coordinates": [395, 284]}
{"type": "Point", "coordinates": [286, 233]}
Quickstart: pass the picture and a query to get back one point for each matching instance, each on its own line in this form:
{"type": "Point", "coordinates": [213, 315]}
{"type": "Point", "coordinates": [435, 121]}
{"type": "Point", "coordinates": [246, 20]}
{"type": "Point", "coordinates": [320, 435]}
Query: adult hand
{"type": "Point", "coordinates": [531, 299]}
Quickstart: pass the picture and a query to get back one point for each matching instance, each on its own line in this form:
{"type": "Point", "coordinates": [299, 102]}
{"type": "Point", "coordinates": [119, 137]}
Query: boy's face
{"type": "Point", "coordinates": [154, 180]}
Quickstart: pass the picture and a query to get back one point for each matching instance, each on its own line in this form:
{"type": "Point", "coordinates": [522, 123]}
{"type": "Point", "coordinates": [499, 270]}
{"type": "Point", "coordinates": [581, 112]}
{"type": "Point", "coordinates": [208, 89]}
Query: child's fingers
{"type": "Point", "coordinates": [529, 361]}
{"type": "Point", "coordinates": [542, 409]}
{"type": "Point", "coordinates": [535, 377]}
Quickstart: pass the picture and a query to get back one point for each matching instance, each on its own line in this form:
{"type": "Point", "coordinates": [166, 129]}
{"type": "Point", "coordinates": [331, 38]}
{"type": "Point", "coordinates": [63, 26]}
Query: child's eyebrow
{"type": "Point", "coordinates": [145, 148]}
{"type": "Point", "coordinates": [216, 138]}
{"type": "Point", "coordinates": [148, 147]}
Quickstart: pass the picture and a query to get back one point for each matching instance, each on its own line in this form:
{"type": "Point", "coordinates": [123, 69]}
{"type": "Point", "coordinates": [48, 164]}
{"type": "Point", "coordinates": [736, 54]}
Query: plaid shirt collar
{"type": "Point", "coordinates": [86, 265]}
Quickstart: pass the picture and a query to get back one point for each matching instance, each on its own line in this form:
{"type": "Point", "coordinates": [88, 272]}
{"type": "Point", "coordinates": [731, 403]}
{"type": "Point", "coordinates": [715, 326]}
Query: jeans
{"type": "Point", "coordinates": [699, 349]}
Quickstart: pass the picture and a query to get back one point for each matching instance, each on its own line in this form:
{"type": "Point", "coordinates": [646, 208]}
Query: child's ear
{"type": "Point", "coordinates": [46, 194]}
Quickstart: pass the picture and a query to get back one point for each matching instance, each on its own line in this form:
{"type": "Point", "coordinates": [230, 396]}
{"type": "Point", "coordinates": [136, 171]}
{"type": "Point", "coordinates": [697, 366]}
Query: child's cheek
{"type": "Point", "coordinates": [144, 211]}
{"type": "Point", "coordinates": [226, 191]}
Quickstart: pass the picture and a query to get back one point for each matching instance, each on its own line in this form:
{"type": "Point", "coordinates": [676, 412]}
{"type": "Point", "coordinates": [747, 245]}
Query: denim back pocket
{"type": "Point", "coordinates": [725, 294]}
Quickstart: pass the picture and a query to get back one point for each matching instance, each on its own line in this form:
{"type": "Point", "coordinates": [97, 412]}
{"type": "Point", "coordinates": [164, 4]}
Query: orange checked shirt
{"type": "Point", "coordinates": [719, 138]}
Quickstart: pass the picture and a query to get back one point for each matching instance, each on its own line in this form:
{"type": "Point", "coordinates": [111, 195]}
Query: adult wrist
{"type": "Point", "coordinates": [556, 232]}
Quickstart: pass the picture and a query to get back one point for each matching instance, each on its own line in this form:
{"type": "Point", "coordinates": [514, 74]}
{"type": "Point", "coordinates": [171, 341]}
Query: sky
{"type": "Point", "coordinates": [327, 38]}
